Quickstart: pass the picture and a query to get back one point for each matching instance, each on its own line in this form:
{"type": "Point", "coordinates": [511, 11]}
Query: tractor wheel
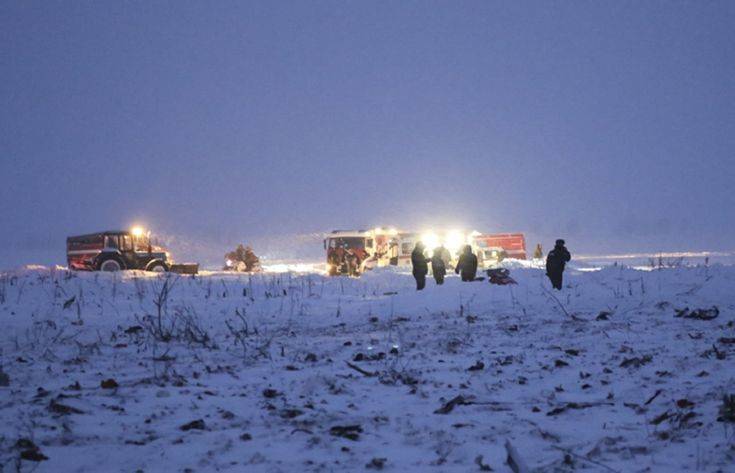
{"type": "Point", "coordinates": [110, 264]}
{"type": "Point", "coordinates": [157, 267]}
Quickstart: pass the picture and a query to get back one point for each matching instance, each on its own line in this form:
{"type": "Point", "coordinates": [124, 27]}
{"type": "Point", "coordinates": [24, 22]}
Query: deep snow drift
{"type": "Point", "coordinates": [286, 372]}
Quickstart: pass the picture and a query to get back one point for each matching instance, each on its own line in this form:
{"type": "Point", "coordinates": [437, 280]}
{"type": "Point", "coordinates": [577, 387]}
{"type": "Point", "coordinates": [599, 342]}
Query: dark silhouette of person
{"type": "Point", "coordinates": [467, 264]}
{"type": "Point", "coordinates": [438, 267]}
{"type": "Point", "coordinates": [555, 262]}
{"type": "Point", "coordinates": [420, 265]}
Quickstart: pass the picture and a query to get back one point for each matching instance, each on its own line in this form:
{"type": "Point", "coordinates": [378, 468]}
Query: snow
{"type": "Point", "coordinates": [263, 362]}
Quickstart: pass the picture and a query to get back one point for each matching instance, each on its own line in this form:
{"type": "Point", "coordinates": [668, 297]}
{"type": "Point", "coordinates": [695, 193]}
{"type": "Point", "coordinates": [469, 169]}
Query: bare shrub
{"type": "Point", "coordinates": [248, 343]}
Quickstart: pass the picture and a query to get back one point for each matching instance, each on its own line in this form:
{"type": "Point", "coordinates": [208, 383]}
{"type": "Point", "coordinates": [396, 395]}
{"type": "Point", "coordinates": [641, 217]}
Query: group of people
{"type": "Point", "coordinates": [466, 266]}
{"type": "Point", "coordinates": [345, 260]}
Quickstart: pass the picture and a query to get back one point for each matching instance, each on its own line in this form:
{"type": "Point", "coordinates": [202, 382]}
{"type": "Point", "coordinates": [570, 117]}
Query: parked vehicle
{"type": "Point", "coordinates": [382, 247]}
{"type": "Point", "coordinates": [491, 249]}
{"type": "Point", "coordinates": [120, 250]}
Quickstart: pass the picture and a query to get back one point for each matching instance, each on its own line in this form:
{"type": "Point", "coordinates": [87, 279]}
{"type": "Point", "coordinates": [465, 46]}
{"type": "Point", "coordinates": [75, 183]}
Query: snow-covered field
{"type": "Point", "coordinates": [299, 372]}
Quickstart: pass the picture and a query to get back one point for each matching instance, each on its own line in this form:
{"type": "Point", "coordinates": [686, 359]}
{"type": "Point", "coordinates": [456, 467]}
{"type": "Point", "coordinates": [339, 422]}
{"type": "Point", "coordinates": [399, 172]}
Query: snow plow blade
{"type": "Point", "coordinates": [185, 268]}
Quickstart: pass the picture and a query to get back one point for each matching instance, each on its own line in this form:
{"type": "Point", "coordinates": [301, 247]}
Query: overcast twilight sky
{"type": "Point", "coordinates": [611, 124]}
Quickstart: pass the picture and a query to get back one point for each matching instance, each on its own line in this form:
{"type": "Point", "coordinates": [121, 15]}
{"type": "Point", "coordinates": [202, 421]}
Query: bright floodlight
{"type": "Point", "coordinates": [430, 240]}
{"type": "Point", "coordinates": [137, 231]}
{"type": "Point", "coordinates": [454, 241]}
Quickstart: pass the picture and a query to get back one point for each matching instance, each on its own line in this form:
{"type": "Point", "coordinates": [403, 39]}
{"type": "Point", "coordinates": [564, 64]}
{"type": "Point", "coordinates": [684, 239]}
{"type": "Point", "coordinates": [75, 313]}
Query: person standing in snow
{"type": "Point", "coordinates": [467, 264]}
{"type": "Point", "coordinates": [420, 266]}
{"type": "Point", "coordinates": [555, 262]}
{"type": "Point", "coordinates": [538, 253]}
{"type": "Point", "coordinates": [438, 267]}
{"type": "Point", "coordinates": [445, 255]}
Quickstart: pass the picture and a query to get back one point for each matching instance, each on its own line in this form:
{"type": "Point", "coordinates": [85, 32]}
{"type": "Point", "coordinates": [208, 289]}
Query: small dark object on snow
{"type": "Point", "coordinates": [109, 384]}
{"type": "Point", "coordinates": [134, 329]}
{"type": "Point", "coordinates": [270, 393]}
{"type": "Point", "coordinates": [376, 464]}
{"type": "Point", "coordinates": [311, 357]}
{"type": "Point", "coordinates": [291, 413]}
{"type": "Point", "coordinates": [726, 340]}
{"type": "Point", "coordinates": [246, 437]}
{"type": "Point", "coordinates": [500, 276]}
{"type": "Point", "coordinates": [603, 315]}
{"type": "Point", "coordinates": [4, 378]}
{"type": "Point", "coordinates": [32, 453]}
{"type": "Point", "coordinates": [363, 372]}
{"type": "Point", "coordinates": [69, 302]}
{"type": "Point", "coordinates": [727, 409]}
{"type": "Point", "coordinates": [660, 418]}
{"type": "Point", "coordinates": [350, 432]}
{"type": "Point", "coordinates": [571, 351]}
{"type": "Point", "coordinates": [194, 425]}
{"type": "Point", "coordinates": [576, 405]}
{"type": "Point", "coordinates": [684, 403]}
{"type": "Point", "coordinates": [699, 314]}
{"type": "Point", "coordinates": [29, 450]}
{"type": "Point", "coordinates": [636, 362]}
{"type": "Point", "coordinates": [560, 363]}
{"type": "Point", "coordinates": [655, 395]}
{"type": "Point", "coordinates": [483, 466]}
{"type": "Point", "coordinates": [451, 404]}
{"type": "Point", "coordinates": [63, 409]}
{"type": "Point", "coordinates": [479, 366]}
{"type": "Point", "coordinates": [75, 387]}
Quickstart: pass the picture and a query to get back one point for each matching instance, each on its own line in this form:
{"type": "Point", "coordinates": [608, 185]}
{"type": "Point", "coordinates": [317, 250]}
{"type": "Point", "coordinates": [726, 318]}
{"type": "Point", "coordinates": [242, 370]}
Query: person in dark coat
{"type": "Point", "coordinates": [420, 266]}
{"type": "Point", "coordinates": [555, 262]}
{"type": "Point", "coordinates": [467, 264]}
{"type": "Point", "coordinates": [438, 267]}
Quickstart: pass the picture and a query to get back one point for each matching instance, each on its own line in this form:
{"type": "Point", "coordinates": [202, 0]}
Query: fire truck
{"type": "Point", "coordinates": [353, 251]}
{"type": "Point", "coordinates": [119, 250]}
{"type": "Point", "coordinates": [491, 249]}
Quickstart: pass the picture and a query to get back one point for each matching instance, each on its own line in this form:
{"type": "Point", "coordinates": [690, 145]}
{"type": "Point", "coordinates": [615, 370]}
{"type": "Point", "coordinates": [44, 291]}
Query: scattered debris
{"type": "Point", "coordinates": [514, 460]}
{"type": "Point", "coordinates": [376, 464]}
{"type": "Point", "coordinates": [451, 404]}
{"type": "Point", "coordinates": [194, 425]}
{"type": "Point", "coordinates": [363, 372]}
{"type": "Point", "coordinates": [576, 405]}
{"type": "Point", "coordinates": [4, 378]}
{"type": "Point", "coordinates": [291, 413]}
{"type": "Point", "coordinates": [684, 404]}
{"type": "Point", "coordinates": [636, 362]}
{"type": "Point", "coordinates": [109, 384]}
{"type": "Point", "coordinates": [727, 409]}
{"type": "Point", "coordinates": [479, 366]}
{"type": "Point", "coordinates": [63, 409]}
{"type": "Point", "coordinates": [483, 466]}
{"type": "Point", "coordinates": [29, 450]}
{"type": "Point", "coordinates": [69, 302]}
{"type": "Point", "coordinates": [699, 314]}
{"type": "Point", "coordinates": [134, 329]}
{"type": "Point", "coordinates": [655, 395]}
{"type": "Point", "coordinates": [350, 432]}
